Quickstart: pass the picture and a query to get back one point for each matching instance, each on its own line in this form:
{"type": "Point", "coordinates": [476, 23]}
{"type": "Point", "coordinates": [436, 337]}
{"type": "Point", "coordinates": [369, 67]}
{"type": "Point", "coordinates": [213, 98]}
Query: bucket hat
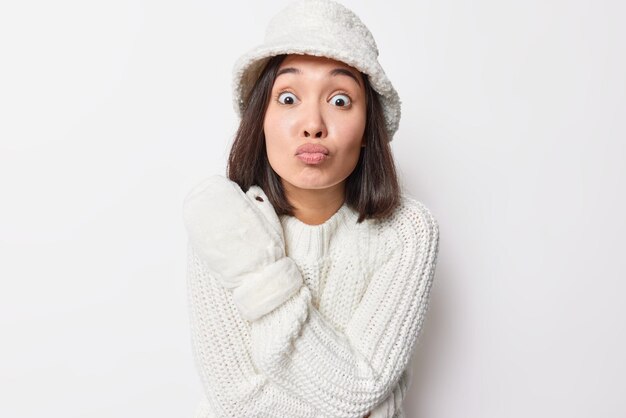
{"type": "Point", "coordinates": [323, 28]}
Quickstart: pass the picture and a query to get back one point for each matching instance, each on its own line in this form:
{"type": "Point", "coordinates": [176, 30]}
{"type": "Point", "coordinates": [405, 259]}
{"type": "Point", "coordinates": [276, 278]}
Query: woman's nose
{"type": "Point", "coordinates": [313, 123]}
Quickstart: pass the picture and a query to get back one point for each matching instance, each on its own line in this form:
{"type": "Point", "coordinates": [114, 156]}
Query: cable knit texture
{"type": "Point", "coordinates": [340, 345]}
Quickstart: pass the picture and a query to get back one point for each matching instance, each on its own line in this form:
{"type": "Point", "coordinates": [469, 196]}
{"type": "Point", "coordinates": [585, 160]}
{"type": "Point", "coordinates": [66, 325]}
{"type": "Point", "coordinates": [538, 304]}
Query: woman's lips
{"type": "Point", "coordinates": [312, 153]}
{"type": "Point", "coordinates": [312, 157]}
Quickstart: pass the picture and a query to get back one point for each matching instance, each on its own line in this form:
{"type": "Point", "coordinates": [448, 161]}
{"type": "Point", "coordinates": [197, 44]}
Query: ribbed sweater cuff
{"type": "Point", "coordinates": [263, 291]}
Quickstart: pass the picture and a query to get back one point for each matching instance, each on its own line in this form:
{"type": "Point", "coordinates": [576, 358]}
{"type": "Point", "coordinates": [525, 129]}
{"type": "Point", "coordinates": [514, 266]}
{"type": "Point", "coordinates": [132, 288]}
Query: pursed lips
{"type": "Point", "coordinates": [312, 154]}
{"type": "Point", "coordinates": [312, 149]}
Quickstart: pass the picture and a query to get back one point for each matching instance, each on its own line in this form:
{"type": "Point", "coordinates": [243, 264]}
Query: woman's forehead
{"type": "Point", "coordinates": [298, 64]}
{"type": "Point", "coordinates": [295, 59]}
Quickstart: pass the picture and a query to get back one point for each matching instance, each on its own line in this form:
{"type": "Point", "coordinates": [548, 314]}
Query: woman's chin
{"type": "Point", "coordinates": [308, 185]}
{"type": "Point", "coordinates": [313, 182]}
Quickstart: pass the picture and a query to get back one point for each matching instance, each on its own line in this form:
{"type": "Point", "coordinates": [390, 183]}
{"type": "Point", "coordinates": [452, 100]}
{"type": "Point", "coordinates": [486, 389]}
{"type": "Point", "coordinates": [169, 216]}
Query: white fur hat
{"type": "Point", "coordinates": [322, 28]}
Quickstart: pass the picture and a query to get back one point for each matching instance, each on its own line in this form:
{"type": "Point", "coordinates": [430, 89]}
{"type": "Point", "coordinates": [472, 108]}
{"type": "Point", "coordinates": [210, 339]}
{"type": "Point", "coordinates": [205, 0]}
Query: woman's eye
{"type": "Point", "coordinates": [286, 98]}
{"type": "Point", "coordinates": [340, 100]}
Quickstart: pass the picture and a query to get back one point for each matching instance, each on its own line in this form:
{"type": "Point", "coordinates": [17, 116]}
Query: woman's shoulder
{"type": "Point", "coordinates": [412, 222]}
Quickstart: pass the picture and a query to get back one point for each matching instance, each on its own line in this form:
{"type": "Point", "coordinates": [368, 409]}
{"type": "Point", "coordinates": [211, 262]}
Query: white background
{"type": "Point", "coordinates": [513, 134]}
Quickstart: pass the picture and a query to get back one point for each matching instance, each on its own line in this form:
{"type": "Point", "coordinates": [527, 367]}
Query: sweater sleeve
{"type": "Point", "coordinates": [390, 406]}
{"type": "Point", "coordinates": [221, 348]}
{"type": "Point", "coordinates": [348, 373]}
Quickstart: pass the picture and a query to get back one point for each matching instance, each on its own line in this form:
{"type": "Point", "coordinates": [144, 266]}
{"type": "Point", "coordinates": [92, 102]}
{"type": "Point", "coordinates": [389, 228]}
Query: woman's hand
{"type": "Point", "coordinates": [240, 238]}
{"type": "Point", "coordinates": [230, 230]}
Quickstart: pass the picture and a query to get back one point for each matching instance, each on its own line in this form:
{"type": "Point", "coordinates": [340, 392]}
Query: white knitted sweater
{"type": "Point", "coordinates": [341, 346]}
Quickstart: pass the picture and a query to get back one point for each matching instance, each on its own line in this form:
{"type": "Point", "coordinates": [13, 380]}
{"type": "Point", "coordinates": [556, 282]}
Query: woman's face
{"type": "Point", "coordinates": [315, 101]}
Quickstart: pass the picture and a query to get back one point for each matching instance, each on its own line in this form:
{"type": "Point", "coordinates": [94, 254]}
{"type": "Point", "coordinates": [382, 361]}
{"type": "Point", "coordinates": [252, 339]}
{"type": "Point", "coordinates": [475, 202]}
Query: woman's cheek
{"type": "Point", "coordinates": [279, 158]}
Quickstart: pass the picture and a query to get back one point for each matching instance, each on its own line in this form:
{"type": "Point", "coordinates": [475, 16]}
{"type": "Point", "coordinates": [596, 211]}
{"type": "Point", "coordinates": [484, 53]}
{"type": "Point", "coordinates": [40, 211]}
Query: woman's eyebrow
{"type": "Point", "coordinates": [288, 70]}
{"type": "Point", "coordinates": [336, 71]}
{"type": "Point", "coordinates": [343, 71]}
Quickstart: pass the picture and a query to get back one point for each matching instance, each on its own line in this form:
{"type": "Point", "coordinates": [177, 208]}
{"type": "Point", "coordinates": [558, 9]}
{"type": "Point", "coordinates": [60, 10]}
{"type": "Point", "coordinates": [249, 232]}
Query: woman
{"type": "Point", "coordinates": [309, 270]}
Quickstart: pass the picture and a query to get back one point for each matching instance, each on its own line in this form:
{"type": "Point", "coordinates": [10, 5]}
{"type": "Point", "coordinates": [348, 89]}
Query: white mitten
{"type": "Point", "coordinates": [241, 240]}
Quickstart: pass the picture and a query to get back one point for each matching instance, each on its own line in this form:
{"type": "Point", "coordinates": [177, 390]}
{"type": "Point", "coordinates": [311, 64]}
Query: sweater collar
{"type": "Point", "coordinates": [306, 241]}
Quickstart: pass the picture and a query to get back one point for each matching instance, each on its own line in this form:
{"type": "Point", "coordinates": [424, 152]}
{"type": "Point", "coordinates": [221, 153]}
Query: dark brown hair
{"type": "Point", "coordinates": [372, 188]}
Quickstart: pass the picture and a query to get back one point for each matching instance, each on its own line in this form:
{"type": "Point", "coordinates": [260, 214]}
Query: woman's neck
{"type": "Point", "coordinates": [315, 206]}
